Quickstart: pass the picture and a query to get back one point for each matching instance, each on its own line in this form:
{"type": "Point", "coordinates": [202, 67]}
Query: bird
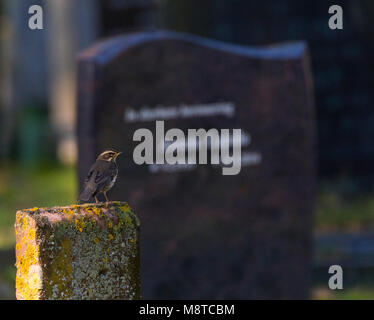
{"type": "Point", "coordinates": [101, 176]}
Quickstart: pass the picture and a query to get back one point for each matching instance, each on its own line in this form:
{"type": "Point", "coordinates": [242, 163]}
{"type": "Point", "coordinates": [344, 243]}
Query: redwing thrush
{"type": "Point", "coordinates": [101, 177]}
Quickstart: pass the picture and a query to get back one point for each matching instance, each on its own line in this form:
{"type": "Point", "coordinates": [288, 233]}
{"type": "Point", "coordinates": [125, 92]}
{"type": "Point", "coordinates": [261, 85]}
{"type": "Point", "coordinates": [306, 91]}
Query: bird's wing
{"type": "Point", "coordinates": [99, 172]}
{"type": "Point", "coordinates": [99, 176]}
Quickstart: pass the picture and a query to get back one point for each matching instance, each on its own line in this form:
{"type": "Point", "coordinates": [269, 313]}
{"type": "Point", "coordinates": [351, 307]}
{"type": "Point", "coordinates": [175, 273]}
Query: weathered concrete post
{"type": "Point", "coordinates": [88, 251]}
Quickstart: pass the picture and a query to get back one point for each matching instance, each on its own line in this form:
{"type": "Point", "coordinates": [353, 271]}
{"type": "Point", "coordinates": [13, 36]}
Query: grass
{"type": "Point", "coordinates": [341, 208]}
{"type": "Point", "coordinates": [355, 293]}
{"type": "Point", "coordinates": [22, 188]}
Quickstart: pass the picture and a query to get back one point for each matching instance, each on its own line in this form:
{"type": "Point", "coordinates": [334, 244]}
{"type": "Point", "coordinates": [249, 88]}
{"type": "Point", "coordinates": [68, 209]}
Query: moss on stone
{"type": "Point", "coordinates": [88, 251]}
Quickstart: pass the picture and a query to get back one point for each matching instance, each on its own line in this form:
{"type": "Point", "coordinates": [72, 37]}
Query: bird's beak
{"type": "Point", "coordinates": [118, 153]}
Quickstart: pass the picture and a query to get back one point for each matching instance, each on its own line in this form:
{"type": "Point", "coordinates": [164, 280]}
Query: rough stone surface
{"type": "Point", "coordinates": [88, 251]}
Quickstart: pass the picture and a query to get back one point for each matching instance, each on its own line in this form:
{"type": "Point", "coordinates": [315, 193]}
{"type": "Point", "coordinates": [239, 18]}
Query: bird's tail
{"type": "Point", "coordinates": [86, 194]}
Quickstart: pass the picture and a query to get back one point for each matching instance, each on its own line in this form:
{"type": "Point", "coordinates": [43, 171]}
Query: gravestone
{"type": "Point", "coordinates": [205, 234]}
{"type": "Point", "coordinates": [344, 106]}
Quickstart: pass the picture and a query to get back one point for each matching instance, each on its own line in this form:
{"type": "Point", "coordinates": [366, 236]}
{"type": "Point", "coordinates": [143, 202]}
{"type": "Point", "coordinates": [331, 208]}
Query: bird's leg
{"type": "Point", "coordinates": [106, 197]}
{"type": "Point", "coordinates": [97, 201]}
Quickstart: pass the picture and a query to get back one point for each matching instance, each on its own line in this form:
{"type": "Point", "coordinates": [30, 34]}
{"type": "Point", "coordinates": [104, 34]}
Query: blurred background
{"type": "Point", "coordinates": [37, 108]}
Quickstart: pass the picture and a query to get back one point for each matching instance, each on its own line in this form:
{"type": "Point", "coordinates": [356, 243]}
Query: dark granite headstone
{"type": "Point", "coordinates": [342, 63]}
{"type": "Point", "coordinates": [204, 234]}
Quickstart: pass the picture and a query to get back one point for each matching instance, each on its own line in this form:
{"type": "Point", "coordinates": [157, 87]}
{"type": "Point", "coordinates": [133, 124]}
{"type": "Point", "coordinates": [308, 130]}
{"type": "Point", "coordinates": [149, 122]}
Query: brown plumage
{"type": "Point", "coordinates": [101, 176]}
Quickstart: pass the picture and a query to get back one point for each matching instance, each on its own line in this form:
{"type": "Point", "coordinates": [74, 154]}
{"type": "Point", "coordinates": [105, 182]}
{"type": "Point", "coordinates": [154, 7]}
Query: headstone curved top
{"type": "Point", "coordinates": [106, 50]}
{"type": "Point", "coordinates": [205, 234]}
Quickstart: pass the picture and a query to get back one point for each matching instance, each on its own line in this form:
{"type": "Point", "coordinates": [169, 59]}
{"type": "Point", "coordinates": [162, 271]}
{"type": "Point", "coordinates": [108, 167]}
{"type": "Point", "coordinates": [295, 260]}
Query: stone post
{"type": "Point", "coordinates": [88, 251]}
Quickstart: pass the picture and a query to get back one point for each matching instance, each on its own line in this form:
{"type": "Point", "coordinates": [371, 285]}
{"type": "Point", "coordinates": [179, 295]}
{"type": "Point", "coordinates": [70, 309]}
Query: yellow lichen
{"type": "Point", "coordinates": [68, 213]}
{"type": "Point", "coordinates": [18, 218]}
{"type": "Point", "coordinates": [27, 259]}
{"type": "Point", "coordinates": [110, 236]}
{"type": "Point", "coordinates": [96, 240]}
{"type": "Point", "coordinates": [31, 234]}
{"type": "Point", "coordinates": [23, 240]}
{"type": "Point", "coordinates": [125, 208]}
{"type": "Point", "coordinates": [27, 282]}
{"type": "Point", "coordinates": [24, 224]}
{"type": "Point", "coordinates": [128, 220]}
{"type": "Point", "coordinates": [79, 224]}
{"type": "Point", "coordinates": [97, 211]}
{"type": "Point", "coordinates": [25, 291]}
